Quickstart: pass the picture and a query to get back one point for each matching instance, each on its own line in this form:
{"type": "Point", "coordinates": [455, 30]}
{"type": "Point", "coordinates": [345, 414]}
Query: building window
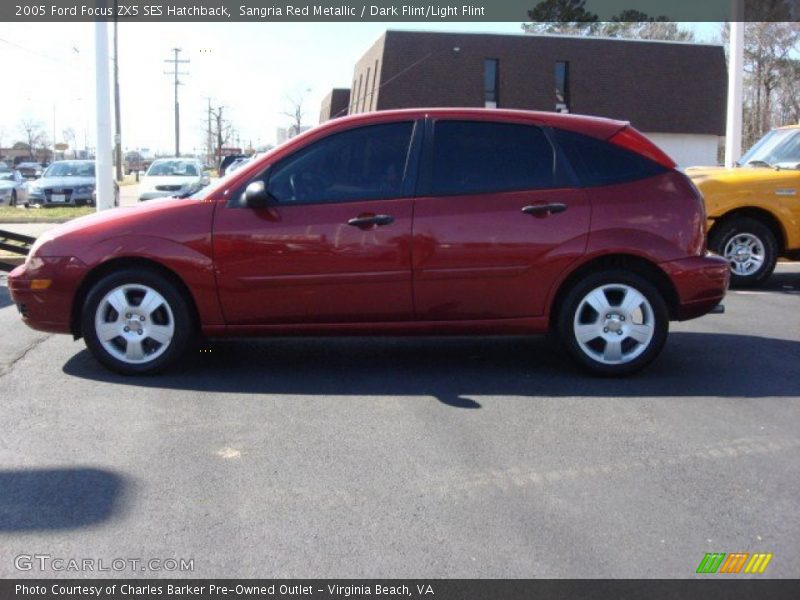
{"type": "Point", "coordinates": [372, 96]}
{"type": "Point", "coordinates": [562, 86]}
{"type": "Point", "coordinates": [491, 82]}
{"type": "Point", "coordinates": [365, 104]}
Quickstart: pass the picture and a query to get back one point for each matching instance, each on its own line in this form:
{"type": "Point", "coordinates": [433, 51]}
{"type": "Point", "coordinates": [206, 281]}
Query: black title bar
{"type": "Point", "coordinates": [400, 10]}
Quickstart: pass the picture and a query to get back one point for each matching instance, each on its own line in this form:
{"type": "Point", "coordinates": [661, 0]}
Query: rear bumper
{"type": "Point", "coordinates": [700, 282]}
{"type": "Point", "coordinates": [47, 309]}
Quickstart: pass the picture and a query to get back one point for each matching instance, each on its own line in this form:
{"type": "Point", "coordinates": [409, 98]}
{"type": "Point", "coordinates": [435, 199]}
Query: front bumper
{"type": "Point", "coordinates": [48, 309]}
{"type": "Point", "coordinates": [700, 282]}
{"type": "Point", "coordinates": [70, 199]}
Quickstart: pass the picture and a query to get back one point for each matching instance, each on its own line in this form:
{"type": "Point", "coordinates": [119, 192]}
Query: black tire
{"type": "Point", "coordinates": [615, 285]}
{"type": "Point", "coordinates": [177, 312]}
{"type": "Point", "coordinates": [723, 238]}
{"type": "Point", "coordinates": [13, 201]}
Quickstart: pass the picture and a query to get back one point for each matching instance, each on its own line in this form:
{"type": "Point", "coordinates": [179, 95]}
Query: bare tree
{"type": "Point", "coordinates": [770, 86]}
{"type": "Point", "coordinates": [71, 138]}
{"type": "Point", "coordinates": [221, 129]}
{"type": "Point", "coordinates": [295, 113]}
{"type": "Point", "coordinates": [33, 135]}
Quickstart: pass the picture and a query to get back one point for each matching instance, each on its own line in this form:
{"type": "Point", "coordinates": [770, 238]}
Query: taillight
{"type": "Point", "coordinates": [632, 140]}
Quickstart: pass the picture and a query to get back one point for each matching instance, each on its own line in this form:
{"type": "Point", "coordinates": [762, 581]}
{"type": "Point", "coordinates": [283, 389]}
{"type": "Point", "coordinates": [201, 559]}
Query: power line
{"type": "Point", "coordinates": [176, 73]}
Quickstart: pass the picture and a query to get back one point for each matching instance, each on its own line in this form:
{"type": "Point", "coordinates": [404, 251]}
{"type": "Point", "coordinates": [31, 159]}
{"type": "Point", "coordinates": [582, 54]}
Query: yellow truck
{"type": "Point", "coordinates": [753, 209]}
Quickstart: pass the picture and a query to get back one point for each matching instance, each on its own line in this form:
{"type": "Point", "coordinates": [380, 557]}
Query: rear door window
{"type": "Point", "coordinates": [478, 157]}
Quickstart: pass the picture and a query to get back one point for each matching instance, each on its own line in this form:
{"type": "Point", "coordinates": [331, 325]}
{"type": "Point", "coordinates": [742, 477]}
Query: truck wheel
{"type": "Point", "coordinates": [749, 246]}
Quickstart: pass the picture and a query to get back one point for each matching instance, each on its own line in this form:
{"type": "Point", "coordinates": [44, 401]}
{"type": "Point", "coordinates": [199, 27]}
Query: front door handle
{"type": "Point", "coordinates": [542, 210]}
{"type": "Point", "coordinates": [366, 221]}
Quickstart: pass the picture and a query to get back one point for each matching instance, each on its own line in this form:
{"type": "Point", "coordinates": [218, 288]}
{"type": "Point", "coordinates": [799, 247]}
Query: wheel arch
{"type": "Point", "coordinates": [635, 264]}
{"type": "Point", "coordinates": [124, 262]}
{"type": "Point", "coordinates": [759, 214]}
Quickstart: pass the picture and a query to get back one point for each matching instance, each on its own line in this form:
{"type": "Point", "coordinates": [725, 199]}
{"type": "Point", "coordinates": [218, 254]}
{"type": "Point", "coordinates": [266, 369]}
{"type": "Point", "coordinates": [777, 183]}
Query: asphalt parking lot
{"type": "Point", "coordinates": [471, 457]}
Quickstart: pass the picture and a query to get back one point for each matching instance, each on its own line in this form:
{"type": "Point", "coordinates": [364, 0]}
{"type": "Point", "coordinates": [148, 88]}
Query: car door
{"type": "Point", "coordinates": [497, 219]}
{"type": "Point", "coordinates": [333, 243]}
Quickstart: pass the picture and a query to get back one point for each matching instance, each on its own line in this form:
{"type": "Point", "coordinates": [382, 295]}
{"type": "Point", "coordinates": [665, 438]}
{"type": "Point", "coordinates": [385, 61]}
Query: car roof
{"type": "Point", "coordinates": [600, 127]}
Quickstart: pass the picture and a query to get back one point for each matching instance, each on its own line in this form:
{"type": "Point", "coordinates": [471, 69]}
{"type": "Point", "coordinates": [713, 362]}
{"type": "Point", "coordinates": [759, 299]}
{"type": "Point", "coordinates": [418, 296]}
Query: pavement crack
{"type": "Point", "coordinates": [6, 368]}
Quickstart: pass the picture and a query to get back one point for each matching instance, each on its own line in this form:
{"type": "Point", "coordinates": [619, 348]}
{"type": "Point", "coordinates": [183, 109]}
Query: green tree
{"type": "Point", "coordinates": [570, 17]}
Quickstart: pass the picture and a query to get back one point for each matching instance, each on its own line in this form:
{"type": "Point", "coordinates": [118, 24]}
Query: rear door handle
{"type": "Point", "coordinates": [371, 220]}
{"type": "Point", "coordinates": [542, 210]}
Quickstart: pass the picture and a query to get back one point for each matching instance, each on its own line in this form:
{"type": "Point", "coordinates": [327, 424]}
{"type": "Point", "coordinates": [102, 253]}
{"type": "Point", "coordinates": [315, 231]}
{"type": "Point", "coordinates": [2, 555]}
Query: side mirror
{"type": "Point", "coordinates": [256, 195]}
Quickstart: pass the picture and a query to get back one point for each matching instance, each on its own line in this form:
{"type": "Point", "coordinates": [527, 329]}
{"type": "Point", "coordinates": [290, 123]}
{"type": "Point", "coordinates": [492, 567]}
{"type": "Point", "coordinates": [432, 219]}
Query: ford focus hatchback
{"type": "Point", "coordinates": [442, 221]}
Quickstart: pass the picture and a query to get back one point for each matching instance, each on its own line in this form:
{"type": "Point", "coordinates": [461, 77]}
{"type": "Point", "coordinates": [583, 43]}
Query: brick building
{"type": "Point", "coordinates": [674, 92]}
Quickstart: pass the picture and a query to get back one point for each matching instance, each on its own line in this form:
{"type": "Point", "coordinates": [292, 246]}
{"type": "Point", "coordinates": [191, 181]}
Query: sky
{"type": "Point", "coordinates": [252, 69]}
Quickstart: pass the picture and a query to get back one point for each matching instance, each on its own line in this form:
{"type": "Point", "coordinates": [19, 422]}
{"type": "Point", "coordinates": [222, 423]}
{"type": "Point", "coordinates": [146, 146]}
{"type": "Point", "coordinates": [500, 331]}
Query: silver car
{"type": "Point", "coordinates": [13, 188]}
{"type": "Point", "coordinates": [67, 183]}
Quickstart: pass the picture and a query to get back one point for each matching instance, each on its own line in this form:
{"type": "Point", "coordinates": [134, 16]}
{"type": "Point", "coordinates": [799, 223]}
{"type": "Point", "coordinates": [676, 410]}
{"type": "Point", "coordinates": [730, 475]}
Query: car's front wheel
{"type": "Point", "coordinates": [136, 322]}
{"type": "Point", "coordinates": [749, 246]}
{"type": "Point", "coordinates": [613, 323]}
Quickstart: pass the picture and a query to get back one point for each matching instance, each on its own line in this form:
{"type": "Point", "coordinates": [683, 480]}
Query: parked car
{"type": "Point", "coordinates": [226, 161]}
{"type": "Point", "coordinates": [13, 188]}
{"type": "Point", "coordinates": [439, 221]}
{"type": "Point", "coordinates": [754, 208]}
{"type": "Point", "coordinates": [67, 183]}
{"type": "Point", "coordinates": [30, 170]}
{"type": "Point", "coordinates": [172, 177]}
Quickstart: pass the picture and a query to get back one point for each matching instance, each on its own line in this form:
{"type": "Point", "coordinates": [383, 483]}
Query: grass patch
{"type": "Point", "coordinates": [58, 214]}
{"type": "Point", "coordinates": [128, 180]}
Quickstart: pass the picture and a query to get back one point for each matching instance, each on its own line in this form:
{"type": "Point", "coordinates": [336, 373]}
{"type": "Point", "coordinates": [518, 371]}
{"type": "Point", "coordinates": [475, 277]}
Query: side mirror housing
{"type": "Point", "coordinates": [256, 195]}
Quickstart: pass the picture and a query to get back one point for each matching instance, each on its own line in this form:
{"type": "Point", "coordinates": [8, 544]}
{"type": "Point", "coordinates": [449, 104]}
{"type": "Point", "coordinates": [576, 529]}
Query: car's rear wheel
{"type": "Point", "coordinates": [613, 323]}
{"type": "Point", "coordinates": [749, 246]}
{"type": "Point", "coordinates": [136, 322]}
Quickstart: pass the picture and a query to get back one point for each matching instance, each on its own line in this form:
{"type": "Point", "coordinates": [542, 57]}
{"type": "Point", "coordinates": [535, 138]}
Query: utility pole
{"type": "Point", "coordinates": [105, 182]}
{"type": "Point", "coordinates": [176, 73]}
{"type": "Point", "coordinates": [209, 137]}
{"type": "Point", "coordinates": [117, 123]}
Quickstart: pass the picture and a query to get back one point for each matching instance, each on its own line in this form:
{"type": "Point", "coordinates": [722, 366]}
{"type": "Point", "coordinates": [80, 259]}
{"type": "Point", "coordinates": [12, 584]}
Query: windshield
{"type": "Point", "coordinates": [176, 168]}
{"type": "Point", "coordinates": [6, 176]}
{"type": "Point", "coordinates": [778, 146]}
{"type": "Point", "coordinates": [70, 169]}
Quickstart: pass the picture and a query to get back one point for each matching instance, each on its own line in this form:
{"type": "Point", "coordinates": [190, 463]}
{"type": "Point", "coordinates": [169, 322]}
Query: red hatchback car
{"type": "Point", "coordinates": [441, 221]}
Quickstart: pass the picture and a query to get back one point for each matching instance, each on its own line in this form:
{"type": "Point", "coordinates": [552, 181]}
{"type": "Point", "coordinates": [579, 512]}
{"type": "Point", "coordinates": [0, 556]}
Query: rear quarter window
{"type": "Point", "coordinates": [598, 162]}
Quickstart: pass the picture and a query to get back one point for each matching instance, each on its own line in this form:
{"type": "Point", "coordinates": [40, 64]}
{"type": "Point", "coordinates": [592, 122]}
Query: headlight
{"type": "Point", "coordinates": [84, 189]}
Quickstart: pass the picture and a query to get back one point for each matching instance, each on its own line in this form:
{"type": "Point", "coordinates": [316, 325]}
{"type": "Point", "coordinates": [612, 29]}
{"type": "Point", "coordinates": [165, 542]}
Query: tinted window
{"type": "Point", "coordinates": [471, 157]}
{"type": "Point", "coordinates": [367, 163]}
{"type": "Point", "coordinates": [490, 81]}
{"type": "Point", "coordinates": [602, 163]}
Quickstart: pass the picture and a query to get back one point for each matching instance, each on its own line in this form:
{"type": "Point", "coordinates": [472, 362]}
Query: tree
{"type": "Point", "coordinates": [571, 18]}
{"type": "Point", "coordinates": [560, 16]}
{"type": "Point", "coordinates": [71, 138]}
{"type": "Point", "coordinates": [221, 129]}
{"type": "Point", "coordinates": [33, 135]}
{"type": "Point", "coordinates": [295, 113]}
{"type": "Point", "coordinates": [770, 82]}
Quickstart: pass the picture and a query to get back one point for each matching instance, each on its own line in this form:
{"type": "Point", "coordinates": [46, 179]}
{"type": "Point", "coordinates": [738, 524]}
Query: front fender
{"type": "Point", "coordinates": [189, 261]}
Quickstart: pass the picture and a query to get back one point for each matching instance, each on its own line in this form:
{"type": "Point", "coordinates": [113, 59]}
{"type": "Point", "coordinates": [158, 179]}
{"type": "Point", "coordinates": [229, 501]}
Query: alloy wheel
{"type": "Point", "coordinates": [134, 323]}
{"type": "Point", "coordinates": [614, 324]}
